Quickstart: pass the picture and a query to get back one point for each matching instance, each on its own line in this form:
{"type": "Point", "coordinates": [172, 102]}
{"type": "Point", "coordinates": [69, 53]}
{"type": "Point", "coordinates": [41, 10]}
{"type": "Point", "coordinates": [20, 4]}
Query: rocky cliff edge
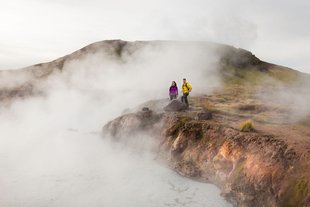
{"type": "Point", "coordinates": [251, 168]}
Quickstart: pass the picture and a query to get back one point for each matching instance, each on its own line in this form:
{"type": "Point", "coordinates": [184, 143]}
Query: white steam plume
{"type": "Point", "coordinates": [51, 153]}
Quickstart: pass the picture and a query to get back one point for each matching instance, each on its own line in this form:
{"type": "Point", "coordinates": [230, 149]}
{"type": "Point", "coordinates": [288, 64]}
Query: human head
{"type": "Point", "coordinates": [173, 83]}
{"type": "Point", "coordinates": [184, 80]}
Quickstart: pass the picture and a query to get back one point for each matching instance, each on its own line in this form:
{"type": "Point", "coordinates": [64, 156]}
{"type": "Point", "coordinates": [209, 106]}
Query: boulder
{"type": "Point", "coordinates": [145, 113]}
{"type": "Point", "coordinates": [175, 105]}
{"type": "Point", "coordinates": [205, 115]}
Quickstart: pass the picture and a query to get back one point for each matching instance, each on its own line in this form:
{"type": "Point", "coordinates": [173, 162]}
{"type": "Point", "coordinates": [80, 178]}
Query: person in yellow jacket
{"type": "Point", "coordinates": [186, 89]}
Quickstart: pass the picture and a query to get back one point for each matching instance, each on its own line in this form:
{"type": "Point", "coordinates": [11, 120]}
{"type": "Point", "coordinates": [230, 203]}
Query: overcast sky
{"type": "Point", "coordinates": [35, 31]}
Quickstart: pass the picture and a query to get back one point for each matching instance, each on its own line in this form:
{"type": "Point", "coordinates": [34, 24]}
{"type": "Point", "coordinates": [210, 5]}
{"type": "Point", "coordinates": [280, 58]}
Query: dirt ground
{"type": "Point", "coordinates": [233, 106]}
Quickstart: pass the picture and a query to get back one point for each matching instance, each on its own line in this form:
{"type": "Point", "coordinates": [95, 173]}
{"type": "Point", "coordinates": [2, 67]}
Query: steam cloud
{"type": "Point", "coordinates": [293, 102]}
{"type": "Point", "coordinates": [51, 153]}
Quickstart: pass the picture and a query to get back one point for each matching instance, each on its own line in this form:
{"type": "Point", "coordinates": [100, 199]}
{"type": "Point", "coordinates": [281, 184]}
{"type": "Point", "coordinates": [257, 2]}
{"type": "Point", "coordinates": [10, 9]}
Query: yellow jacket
{"type": "Point", "coordinates": [186, 88]}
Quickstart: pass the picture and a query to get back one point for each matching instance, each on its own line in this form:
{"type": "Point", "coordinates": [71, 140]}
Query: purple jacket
{"type": "Point", "coordinates": [173, 90]}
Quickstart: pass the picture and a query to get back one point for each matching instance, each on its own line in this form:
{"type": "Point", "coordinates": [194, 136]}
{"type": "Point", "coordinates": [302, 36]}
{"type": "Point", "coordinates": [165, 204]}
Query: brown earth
{"type": "Point", "coordinates": [267, 167]}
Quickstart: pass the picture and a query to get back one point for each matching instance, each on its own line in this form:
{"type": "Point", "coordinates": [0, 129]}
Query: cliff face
{"type": "Point", "coordinates": [251, 168]}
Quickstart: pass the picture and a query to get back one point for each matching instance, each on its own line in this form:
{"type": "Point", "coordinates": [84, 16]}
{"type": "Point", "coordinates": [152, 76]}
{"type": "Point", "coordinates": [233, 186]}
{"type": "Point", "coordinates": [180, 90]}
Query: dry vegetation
{"type": "Point", "coordinates": [247, 126]}
{"type": "Point", "coordinates": [241, 99]}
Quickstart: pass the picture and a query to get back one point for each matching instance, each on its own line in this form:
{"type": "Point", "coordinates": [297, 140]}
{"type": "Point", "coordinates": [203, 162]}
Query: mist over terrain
{"type": "Point", "coordinates": [51, 149]}
{"type": "Point", "coordinates": [52, 153]}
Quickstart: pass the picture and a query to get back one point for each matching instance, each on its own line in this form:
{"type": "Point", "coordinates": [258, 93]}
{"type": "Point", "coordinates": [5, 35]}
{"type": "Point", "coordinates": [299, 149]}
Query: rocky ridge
{"type": "Point", "coordinates": [251, 168]}
{"type": "Point", "coordinates": [26, 81]}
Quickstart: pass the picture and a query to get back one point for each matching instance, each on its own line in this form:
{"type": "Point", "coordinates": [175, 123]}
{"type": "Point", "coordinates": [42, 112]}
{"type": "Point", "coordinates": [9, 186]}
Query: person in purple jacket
{"type": "Point", "coordinates": [173, 90]}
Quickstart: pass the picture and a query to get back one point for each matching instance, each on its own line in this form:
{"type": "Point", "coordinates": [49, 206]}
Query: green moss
{"type": "Point", "coordinates": [295, 194]}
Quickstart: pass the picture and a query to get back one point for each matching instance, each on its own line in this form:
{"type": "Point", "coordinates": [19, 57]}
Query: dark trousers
{"type": "Point", "coordinates": [173, 97]}
{"type": "Point", "coordinates": [184, 98]}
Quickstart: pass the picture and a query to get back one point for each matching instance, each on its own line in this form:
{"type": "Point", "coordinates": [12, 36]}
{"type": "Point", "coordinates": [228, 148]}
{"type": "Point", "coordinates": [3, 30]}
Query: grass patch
{"type": "Point", "coordinates": [295, 194]}
{"type": "Point", "coordinates": [305, 121]}
{"type": "Point", "coordinates": [203, 103]}
{"type": "Point", "coordinates": [247, 126]}
{"type": "Point", "coordinates": [285, 75]}
{"type": "Point", "coordinates": [183, 120]}
{"type": "Point", "coordinates": [240, 76]}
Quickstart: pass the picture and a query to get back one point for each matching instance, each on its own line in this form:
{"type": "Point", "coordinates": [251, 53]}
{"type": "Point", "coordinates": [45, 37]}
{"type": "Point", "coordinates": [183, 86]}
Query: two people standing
{"type": "Point", "coordinates": [186, 89]}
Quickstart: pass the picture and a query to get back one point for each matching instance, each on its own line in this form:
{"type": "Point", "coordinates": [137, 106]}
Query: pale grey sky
{"type": "Point", "coordinates": [36, 31]}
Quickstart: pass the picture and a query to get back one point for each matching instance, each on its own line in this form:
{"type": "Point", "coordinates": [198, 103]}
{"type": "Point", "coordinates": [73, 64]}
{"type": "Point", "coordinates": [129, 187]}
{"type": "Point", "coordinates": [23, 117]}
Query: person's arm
{"type": "Point", "coordinates": [189, 87]}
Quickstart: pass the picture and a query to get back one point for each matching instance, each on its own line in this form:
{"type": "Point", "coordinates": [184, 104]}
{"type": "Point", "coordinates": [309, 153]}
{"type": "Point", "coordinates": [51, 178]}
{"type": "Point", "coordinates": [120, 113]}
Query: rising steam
{"type": "Point", "coordinates": [51, 153]}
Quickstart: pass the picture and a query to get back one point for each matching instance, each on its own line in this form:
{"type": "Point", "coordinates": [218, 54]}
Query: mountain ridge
{"type": "Point", "coordinates": [26, 79]}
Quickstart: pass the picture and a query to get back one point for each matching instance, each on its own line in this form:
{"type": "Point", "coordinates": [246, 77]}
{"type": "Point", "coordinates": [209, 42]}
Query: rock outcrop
{"type": "Point", "coordinates": [175, 105]}
{"type": "Point", "coordinates": [133, 123]}
{"type": "Point", "coordinates": [252, 169]}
